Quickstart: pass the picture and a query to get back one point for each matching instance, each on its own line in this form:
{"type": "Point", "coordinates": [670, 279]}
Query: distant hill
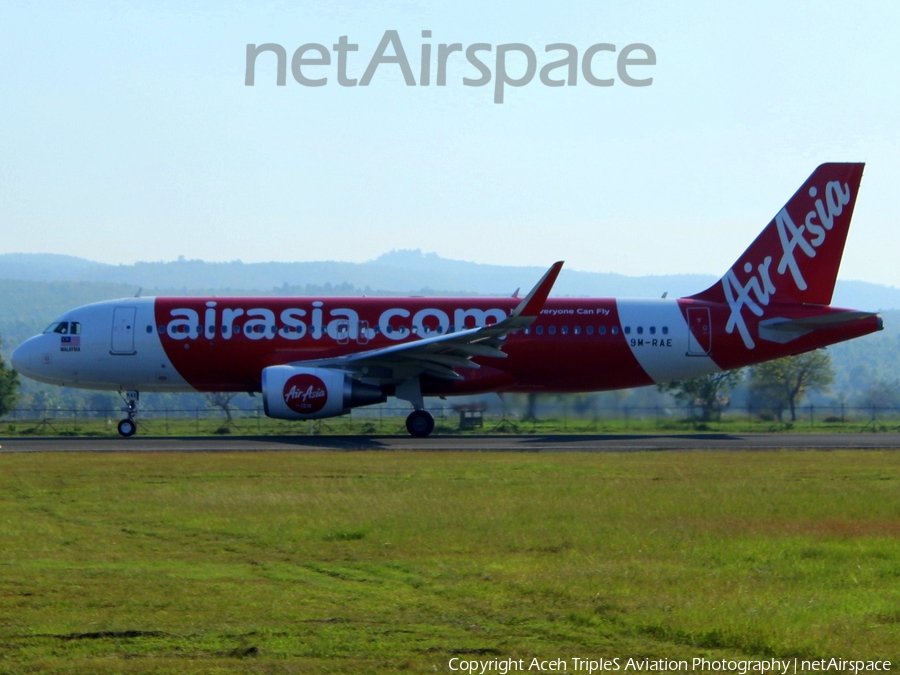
{"type": "Point", "coordinates": [397, 272]}
{"type": "Point", "coordinates": [46, 267]}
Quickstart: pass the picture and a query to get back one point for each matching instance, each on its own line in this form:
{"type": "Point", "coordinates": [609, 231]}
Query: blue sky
{"type": "Point", "coordinates": [126, 133]}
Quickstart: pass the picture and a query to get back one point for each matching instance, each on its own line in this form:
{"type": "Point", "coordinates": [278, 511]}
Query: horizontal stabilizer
{"type": "Point", "coordinates": [782, 330]}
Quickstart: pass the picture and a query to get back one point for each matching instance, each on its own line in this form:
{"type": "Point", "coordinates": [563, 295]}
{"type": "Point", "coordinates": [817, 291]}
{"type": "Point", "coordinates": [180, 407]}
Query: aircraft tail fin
{"type": "Point", "coordinates": [797, 256]}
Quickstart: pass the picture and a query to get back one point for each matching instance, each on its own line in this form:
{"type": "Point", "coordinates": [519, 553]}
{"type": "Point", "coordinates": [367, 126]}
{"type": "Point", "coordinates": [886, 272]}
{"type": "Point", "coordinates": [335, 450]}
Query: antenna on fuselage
{"type": "Point", "coordinates": [665, 293]}
{"type": "Point", "coordinates": [138, 294]}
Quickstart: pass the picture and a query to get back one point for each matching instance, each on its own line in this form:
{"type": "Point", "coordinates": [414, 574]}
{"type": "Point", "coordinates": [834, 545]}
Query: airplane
{"type": "Point", "coordinates": [321, 357]}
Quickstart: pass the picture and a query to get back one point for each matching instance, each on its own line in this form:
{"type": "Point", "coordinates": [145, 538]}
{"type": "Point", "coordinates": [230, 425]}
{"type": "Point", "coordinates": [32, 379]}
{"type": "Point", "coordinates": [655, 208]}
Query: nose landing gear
{"type": "Point", "coordinates": [128, 426]}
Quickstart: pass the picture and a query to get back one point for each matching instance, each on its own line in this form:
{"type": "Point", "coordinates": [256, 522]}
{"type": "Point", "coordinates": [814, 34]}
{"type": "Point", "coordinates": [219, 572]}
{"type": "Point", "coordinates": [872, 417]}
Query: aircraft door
{"type": "Point", "coordinates": [363, 337]}
{"type": "Point", "coordinates": [699, 331]}
{"type": "Point", "coordinates": [123, 330]}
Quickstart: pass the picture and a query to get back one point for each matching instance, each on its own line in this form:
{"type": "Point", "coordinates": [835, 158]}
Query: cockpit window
{"type": "Point", "coordinates": [61, 327]}
{"type": "Point", "coordinates": [64, 328]}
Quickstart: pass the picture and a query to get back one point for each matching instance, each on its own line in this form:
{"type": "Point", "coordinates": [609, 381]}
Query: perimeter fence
{"type": "Point", "coordinates": [390, 420]}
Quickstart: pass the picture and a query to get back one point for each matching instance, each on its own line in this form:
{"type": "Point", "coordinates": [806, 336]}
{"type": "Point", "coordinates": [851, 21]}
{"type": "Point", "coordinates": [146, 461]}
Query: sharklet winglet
{"type": "Point", "coordinates": [533, 303]}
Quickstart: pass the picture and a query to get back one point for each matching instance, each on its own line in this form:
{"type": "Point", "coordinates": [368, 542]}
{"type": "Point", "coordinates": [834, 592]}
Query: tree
{"type": "Point", "coordinates": [531, 408]}
{"type": "Point", "coordinates": [46, 398]}
{"type": "Point", "coordinates": [707, 391]}
{"type": "Point", "coordinates": [9, 388]}
{"type": "Point", "coordinates": [881, 394]}
{"type": "Point", "coordinates": [784, 382]}
{"type": "Point", "coordinates": [222, 399]}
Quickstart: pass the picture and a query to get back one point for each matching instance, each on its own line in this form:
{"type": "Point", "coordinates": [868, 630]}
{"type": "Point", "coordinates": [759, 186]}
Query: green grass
{"type": "Point", "coordinates": [385, 562]}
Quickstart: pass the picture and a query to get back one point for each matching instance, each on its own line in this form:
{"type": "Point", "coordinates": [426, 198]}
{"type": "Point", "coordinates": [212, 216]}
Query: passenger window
{"type": "Point", "coordinates": [640, 330]}
{"type": "Point", "coordinates": [652, 330]}
{"type": "Point", "coordinates": [590, 330]}
{"type": "Point", "coordinates": [602, 330]}
{"type": "Point", "coordinates": [149, 329]}
{"type": "Point", "coordinates": [615, 330]}
{"type": "Point", "coordinates": [665, 330]}
{"type": "Point", "coordinates": [577, 330]}
{"type": "Point", "coordinates": [565, 330]}
{"type": "Point", "coordinates": [539, 330]}
{"type": "Point", "coordinates": [627, 330]}
{"type": "Point", "coordinates": [552, 330]}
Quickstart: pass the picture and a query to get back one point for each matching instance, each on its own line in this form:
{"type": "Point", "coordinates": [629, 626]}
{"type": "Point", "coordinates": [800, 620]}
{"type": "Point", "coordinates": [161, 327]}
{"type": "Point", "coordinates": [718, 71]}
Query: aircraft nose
{"type": "Point", "coordinates": [22, 357]}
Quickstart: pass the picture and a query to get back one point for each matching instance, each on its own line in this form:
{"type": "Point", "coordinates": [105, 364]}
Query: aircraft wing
{"type": "Point", "coordinates": [440, 356]}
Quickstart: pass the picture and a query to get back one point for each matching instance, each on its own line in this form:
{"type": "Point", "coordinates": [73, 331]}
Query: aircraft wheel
{"type": "Point", "coordinates": [127, 427]}
{"type": "Point", "coordinates": [420, 423]}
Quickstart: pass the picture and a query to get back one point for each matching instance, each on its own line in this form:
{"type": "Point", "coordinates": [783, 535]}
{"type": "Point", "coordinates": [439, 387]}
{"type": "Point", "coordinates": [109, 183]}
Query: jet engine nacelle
{"type": "Point", "coordinates": [292, 393]}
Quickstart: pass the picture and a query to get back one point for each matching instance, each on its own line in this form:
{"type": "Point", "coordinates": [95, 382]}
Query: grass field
{"type": "Point", "coordinates": [387, 562]}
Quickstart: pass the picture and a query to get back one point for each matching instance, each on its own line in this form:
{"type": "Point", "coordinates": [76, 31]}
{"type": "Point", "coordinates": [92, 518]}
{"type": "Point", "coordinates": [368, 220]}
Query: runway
{"type": "Point", "coordinates": [491, 443]}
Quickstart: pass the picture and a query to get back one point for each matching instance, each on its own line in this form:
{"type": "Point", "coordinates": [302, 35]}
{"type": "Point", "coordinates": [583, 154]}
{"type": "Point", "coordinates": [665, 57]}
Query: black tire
{"type": "Point", "coordinates": [127, 427]}
{"type": "Point", "coordinates": [420, 423]}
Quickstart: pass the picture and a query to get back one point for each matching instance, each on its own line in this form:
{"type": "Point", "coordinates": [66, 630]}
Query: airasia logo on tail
{"type": "Point", "coordinates": [759, 288]}
{"type": "Point", "coordinates": [305, 394]}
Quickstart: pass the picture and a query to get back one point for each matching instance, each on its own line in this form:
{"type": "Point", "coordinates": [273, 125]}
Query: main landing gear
{"type": "Point", "coordinates": [128, 426]}
{"type": "Point", "coordinates": [420, 423]}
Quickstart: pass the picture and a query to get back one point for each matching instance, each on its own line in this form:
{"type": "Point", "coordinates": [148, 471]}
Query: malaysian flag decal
{"type": "Point", "coordinates": [70, 343]}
